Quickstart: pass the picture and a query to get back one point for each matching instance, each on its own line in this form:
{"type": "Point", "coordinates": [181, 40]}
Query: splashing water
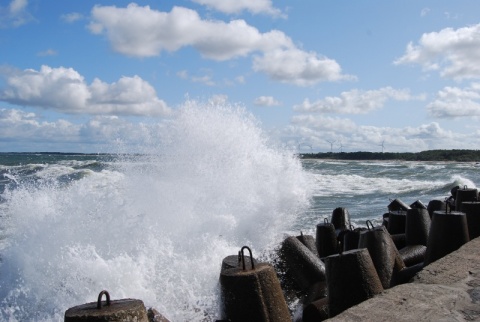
{"type": "Point", "coordinates": [154, 227]}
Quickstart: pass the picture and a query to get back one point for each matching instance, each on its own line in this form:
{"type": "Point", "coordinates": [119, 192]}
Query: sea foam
{"type": "Point", "coordinates": [155, 226]}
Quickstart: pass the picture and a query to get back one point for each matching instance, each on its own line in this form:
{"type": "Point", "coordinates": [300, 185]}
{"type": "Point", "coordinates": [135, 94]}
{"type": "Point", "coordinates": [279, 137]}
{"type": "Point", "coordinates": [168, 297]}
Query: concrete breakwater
{"type": "Point", "coordinates": [343, 270]}
{"type": "Point", "coordinates": [445, 290]}
{"type": "Point", "coordinates": [343, 267]}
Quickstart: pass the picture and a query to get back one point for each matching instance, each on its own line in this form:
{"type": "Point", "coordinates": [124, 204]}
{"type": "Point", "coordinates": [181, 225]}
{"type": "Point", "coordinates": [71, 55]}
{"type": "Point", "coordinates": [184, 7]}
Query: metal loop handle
{"type": "Point", "coordinates": [465, 187]}
{"type": "Point", "coordinates": [448, 206]}
{"type": "Point", "coordinates": [369, 222]}
{"type": "Point", "coordinates": [99, 302]}
{"type": "Point", "coordinates": [351, 227]}
{"type": "Point", "coordinates": [243, 257]}
{"type": "Point", "coordinates": [325, 220]}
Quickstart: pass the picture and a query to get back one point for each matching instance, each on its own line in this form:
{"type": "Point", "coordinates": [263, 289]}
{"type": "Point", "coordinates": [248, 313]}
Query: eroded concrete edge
{"type": "Point", "coordinates": [446, 290]}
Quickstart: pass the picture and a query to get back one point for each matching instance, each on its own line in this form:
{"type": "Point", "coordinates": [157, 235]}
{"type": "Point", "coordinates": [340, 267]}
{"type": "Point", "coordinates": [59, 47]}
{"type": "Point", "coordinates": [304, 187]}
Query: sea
{"type": "Point", "coordinates": [156, 224]}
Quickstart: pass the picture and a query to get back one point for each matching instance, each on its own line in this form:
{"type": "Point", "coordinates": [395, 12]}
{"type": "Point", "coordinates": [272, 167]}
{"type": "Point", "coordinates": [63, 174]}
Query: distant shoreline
{"type": "Point", "coordinates": [430, 155]}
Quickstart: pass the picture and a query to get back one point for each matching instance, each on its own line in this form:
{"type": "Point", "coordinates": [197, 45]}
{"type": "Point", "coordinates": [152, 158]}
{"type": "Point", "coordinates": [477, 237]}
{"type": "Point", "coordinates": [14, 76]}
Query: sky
{"type": "Point", "coordinates": [319, 76]}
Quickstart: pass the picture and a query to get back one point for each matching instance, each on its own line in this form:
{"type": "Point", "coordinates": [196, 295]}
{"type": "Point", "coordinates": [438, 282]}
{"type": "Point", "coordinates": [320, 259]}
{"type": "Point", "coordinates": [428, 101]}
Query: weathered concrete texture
{"type": "Point", "coordinates": [454, 267]}
{"type": "Point", "coordinates": [117, 311]}
{"type": "Point", "coordinates": [446, 290]}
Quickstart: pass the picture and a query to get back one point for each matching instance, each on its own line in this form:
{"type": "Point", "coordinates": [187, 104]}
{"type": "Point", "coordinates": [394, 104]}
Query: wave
{"type": "Point", "coordinates": [154, 227]}
{"type": "Point", "coordinates": [343, 184]}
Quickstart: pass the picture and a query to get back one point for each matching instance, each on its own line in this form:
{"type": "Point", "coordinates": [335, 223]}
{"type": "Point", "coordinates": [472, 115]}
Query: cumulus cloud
{"type": "Point", "coordinates": [355, 101]}
{"type": "Point", "coordinates": [429, 131]}
{"type": "Point", "coordinates": [142, 32]}
{"type": "Point", "coordinates": [99, 133]}
{"type": "Point", "coordinates": [65, 90]}
{"type": "Point", "coordinates": [109, 128]}
{"type": "Point", "coordinates": [19, 126]}
{"type": "Point", "coordinates": [237, 6]}
{"type": "Point", "coordinates": [325, 123]}
{"type": "Point", "coordinates": [266, 101]}
{"type": "Point", "coordinates": [293, 65]}
{"type": "Point", "coordinates": [456, 102]}
{"type": "Point", "coordinates": [318, 130]}
{"type": "Point", "coordinates": [454, 53]}
{"type": "Point", "coordinates": [15, 14]}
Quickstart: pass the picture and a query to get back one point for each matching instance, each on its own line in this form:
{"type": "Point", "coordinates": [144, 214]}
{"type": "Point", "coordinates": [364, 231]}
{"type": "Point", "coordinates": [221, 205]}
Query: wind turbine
{"type": "Point", "coordinates": [331, 145]}
{"type": "Point", "coordinates": [341, 147]}
{"type": "Point", "coordinates": [382, 145]}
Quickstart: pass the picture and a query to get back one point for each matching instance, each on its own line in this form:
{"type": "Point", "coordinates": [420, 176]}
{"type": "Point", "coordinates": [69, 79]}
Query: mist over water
{"type": "Point", "coordinates": [155, 226]}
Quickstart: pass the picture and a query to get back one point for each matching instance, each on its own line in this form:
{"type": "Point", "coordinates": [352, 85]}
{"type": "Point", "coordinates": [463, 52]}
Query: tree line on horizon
{"type": "Point", "coordinates": [430, 155]}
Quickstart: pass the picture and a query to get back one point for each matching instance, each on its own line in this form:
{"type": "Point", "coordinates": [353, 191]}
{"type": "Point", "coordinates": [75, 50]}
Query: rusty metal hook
{"type": "Point", "coordinates": [367, 222]}
{"type": "Point", "coordinates": [99, 302]}
{"type": "Point", "coordinates": [251, 257]}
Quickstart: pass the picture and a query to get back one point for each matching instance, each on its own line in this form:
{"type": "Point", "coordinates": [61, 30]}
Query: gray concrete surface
{"type": "Point", "coordinates": [446, 290]}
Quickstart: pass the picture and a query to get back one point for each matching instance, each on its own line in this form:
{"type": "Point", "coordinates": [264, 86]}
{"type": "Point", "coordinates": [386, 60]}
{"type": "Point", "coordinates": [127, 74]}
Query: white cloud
{"type": "Point", "coordinates": [218, 99]}
{"type": "Point", "coordinates": [65, 90]}
{"type": "Point", "coordinates": [17, 6]}
{"type": "Point", "coordinates": [317, 130]}
{"type": "Point", "coordinates": [204, 79]}
{"type": "Point", "coordinates": [450, 15]}
{"type": "Point", "coordinates": [25, 126]}
{"type": "Point", "coordinates": [455, 53]}
{"type": "Point", "coordinates": [424, 12]}
{"type": "Point", "coordinates": [429, 131]}
{"type": "Point", "coordinates": [456, 102]}
{"type": "Point", "coordinates": [107, 129]}
{"type": "Point", "coordinates": [266, 101]}
{"type": "Point", "coordinates": [100, 133]}
{"type": "Point", "coordinates": [355, 101]}
{"type": "Point", "coordinates": [293, 65]}
{"type": "Point", "coordinates": [72, 17]}
{"type": "Point", "coordinates": [143, 32]}
{"type": "Point", "coordinates": [237, 6]}
{"type": "Point", "coordinates": [15, 15]}
{"type": "Point", "coordinates": [325, 123]}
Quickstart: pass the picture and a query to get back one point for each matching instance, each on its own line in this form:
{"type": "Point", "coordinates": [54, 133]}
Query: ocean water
{"type": "Point", "coordinates": [156, 225]}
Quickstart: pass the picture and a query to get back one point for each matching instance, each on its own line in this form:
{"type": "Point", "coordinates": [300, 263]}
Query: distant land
{"type": "Point", "coordinates": [430, 155]}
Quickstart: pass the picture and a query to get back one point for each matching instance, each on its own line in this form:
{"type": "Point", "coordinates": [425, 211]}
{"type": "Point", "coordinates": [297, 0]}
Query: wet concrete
{"type": "Point", "coordinates": [446, 290]}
